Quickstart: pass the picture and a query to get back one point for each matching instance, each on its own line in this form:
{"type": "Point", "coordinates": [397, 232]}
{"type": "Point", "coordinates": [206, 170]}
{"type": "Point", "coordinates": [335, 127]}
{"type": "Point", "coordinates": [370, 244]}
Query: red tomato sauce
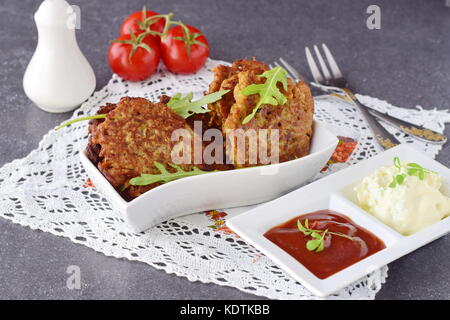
{"type": "Point", "coordinates": [338, 253]}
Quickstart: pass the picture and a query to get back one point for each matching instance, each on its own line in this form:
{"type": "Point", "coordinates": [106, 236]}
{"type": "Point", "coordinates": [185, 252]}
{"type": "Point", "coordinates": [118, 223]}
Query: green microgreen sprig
{"type": "Point", "coordinates": [317, 243]}
{"type": "Point", "coordinates": [412, 169]}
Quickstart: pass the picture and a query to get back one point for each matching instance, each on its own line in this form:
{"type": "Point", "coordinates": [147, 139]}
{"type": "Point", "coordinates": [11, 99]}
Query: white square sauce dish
{"type": "Point", "coordinates": [282, 231]}
{"type": "Point", "coordinates": [225, 189]}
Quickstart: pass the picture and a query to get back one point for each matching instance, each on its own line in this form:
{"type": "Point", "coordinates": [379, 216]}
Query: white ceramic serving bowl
{"type": "Point", "coordinates": [215, 190]}
{"type": "Point", "coordinates": [335, 192]}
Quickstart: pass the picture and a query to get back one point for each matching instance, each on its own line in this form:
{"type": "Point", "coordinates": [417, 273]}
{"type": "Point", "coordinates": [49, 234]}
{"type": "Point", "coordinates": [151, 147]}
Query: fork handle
{"type": "Point", "coordinates": [384, 138]}
{"type": "Point", "coordinates": [418, 132]}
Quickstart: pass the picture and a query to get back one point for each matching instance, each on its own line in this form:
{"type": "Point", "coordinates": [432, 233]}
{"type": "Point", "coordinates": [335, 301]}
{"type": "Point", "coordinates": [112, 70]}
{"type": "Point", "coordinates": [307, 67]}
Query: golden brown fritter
{"type": "Point", "coordinates": [226, 78]}
{"type": "Point", "coordinates": [293, 120]}
{"type": "Point", "coordinates": [135, 133]}
{"type": "Point", "coordinates": [205, 120]}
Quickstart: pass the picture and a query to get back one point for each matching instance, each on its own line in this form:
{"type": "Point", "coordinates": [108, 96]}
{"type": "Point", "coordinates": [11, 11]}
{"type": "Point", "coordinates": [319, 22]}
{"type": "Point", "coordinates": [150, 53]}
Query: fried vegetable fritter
{"type": "Point", "coordinates": [135, 134]}
{"type": "Point", "coordinates": [293, 120]}
{"type": "Point", "coordinates": [226, 78]}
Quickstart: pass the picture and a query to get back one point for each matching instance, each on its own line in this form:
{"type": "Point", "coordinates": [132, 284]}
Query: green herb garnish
{"type": "Point", "coordinates": [185, 107]}
{"type": "Point", "coordinates": [164, 175]}
{"type": "Point", "coordinates": [318, 236]}
{"type": "Point", "coordinates": [412, 169]}
{"type": "Point", "coordinates": [268, 91]}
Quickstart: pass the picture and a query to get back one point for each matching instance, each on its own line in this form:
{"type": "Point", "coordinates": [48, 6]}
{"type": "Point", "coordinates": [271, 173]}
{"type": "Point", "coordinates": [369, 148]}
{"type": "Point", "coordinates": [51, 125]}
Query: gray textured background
{"type": "Point", "coordinates": [406, 63]}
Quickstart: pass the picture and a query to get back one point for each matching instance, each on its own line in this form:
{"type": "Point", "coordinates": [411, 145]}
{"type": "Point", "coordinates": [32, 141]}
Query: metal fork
{"type": "Point", "coordinates": [338, 84]}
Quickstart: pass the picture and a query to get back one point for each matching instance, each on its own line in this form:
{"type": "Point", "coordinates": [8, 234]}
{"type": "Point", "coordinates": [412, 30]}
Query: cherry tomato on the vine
{"type": "Point", "coordinates": [134, 57]}
{"type": "Point", "coordinates": [184, 53]}
{"type": "Point", "coordinates": [130, 23]}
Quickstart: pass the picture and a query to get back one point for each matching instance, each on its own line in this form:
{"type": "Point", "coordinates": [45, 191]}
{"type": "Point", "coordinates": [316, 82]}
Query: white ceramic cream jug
{"type": "Point", "coordinates": [59, 77]}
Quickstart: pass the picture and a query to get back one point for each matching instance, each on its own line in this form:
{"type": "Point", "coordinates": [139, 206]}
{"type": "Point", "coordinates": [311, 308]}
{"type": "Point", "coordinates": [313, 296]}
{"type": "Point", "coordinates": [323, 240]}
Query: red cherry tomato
{"type": "Point", "coordinates": [143, 63]}
{"type": "Point", "coordinates": [174, 51]}
{"type": "Point", "coordinates": [130, 23]}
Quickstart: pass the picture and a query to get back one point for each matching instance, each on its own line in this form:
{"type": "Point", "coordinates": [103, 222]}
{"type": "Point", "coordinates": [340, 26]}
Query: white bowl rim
{"type": "Point", "coordinates": [333, 142]}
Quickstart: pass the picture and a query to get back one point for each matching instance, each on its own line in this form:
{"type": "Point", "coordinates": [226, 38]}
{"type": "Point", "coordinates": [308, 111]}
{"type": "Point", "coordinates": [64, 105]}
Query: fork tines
{"type": "Point", "coordinates": [325, 75]}
{"type": "Point", "coordinates": [294, 74]}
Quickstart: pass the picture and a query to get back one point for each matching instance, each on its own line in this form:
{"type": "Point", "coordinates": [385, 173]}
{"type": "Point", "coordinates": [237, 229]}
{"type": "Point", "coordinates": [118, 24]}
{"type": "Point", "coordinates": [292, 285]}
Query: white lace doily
{"type": "Point", "coordinates": [47, 191]}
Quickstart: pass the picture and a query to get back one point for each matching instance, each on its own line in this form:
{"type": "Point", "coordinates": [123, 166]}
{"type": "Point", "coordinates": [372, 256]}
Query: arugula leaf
{"type": "Point", "coordinates": [179, 100]}
{"type": "Point", "coordinates": [268, 91]}
{"type": "Point", "coordinates": [164, 175]}
{"type": "Point", "coordinates": [185, 107]}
